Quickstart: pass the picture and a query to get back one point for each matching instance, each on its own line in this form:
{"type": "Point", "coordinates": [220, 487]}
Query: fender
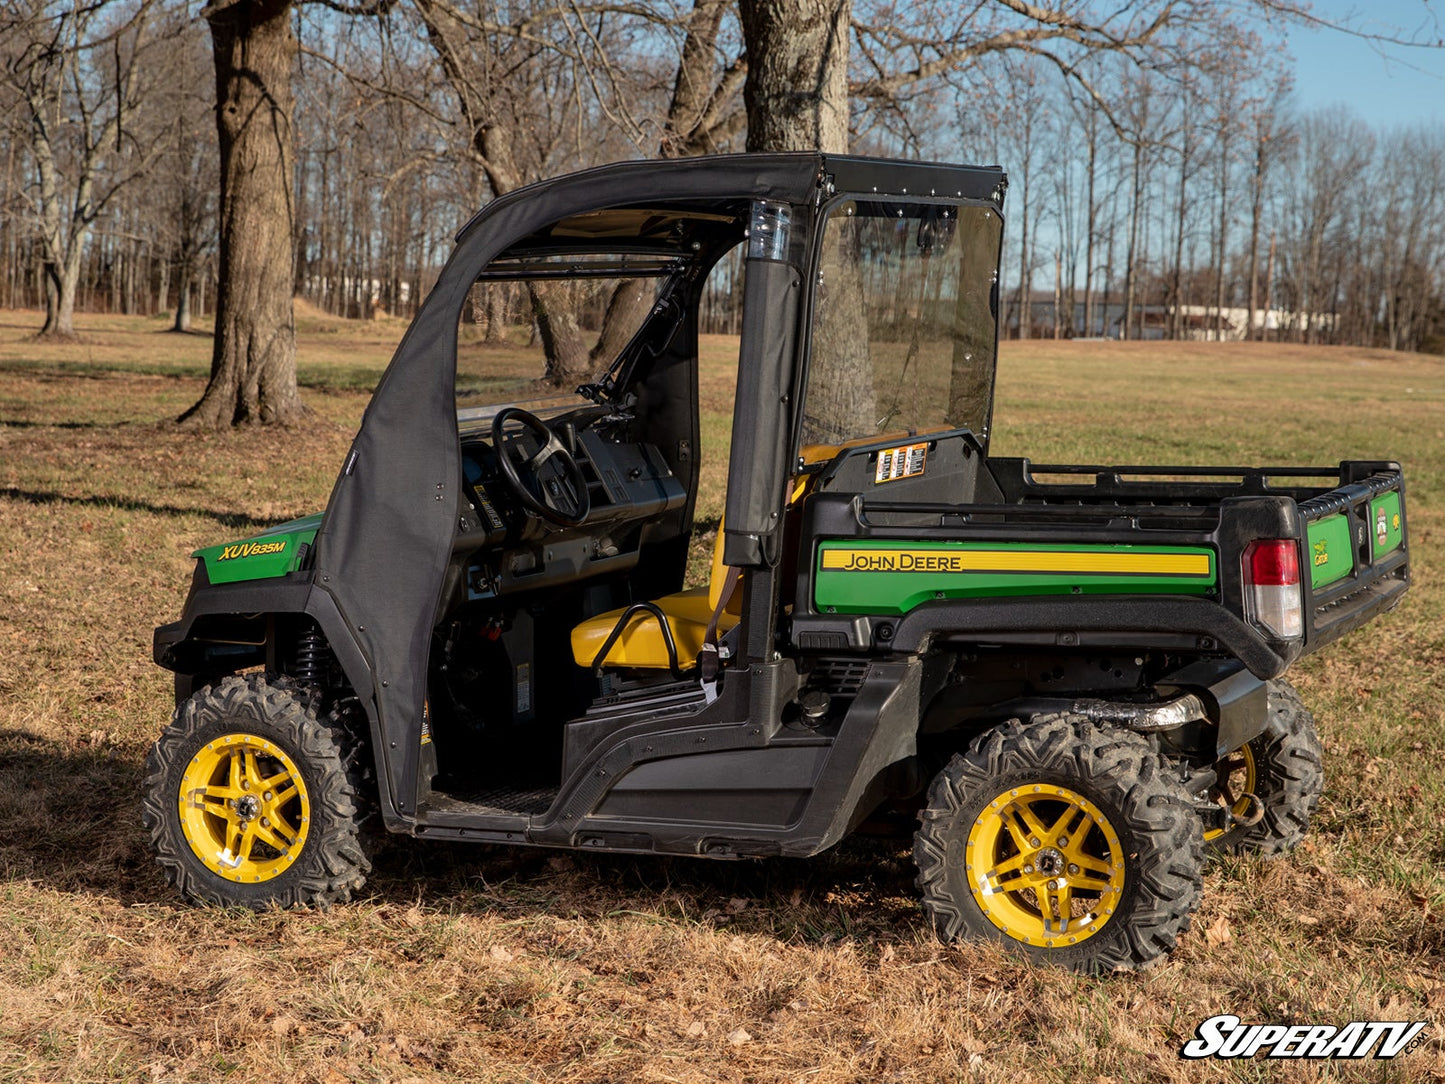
{"type": "Point", "coordinates": [181, 648]}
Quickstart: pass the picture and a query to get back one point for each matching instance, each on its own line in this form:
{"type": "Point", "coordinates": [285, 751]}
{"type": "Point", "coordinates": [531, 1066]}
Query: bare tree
{"type": "Point", "coordinates": [1334, 149]}
{"type": "Point", "coordinates": [80, 73]}
{"type": "Point", "coordinates": [1269, 133]}
{"type": "Point", "coordinates": [1412, 249]}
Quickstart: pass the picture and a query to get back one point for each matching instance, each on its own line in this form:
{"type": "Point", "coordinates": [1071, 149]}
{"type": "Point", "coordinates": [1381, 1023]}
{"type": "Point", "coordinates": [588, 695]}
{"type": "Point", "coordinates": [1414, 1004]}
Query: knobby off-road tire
{"type": "Point", "coordinates": [1067, 842]}
{"type": "Point", "coordinates": [1284, 768]}
{"type": "Point", "coordinates": [249, 801]}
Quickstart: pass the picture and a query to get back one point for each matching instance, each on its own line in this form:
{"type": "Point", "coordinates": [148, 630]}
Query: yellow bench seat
{"type": "Point", "coordinates": [641, 644]}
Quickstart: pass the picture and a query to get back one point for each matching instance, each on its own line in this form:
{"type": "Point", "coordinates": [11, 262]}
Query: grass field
{"type": "Point", "coordinates": [513, 965]}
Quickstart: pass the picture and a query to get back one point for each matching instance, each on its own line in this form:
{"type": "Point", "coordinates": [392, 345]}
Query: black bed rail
{"type": "Point", "coordinates": [1021, 481]}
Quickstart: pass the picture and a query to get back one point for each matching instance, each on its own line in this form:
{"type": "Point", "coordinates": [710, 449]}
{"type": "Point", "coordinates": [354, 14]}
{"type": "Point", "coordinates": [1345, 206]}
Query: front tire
{"type": "Point", "coordinates": [1063, 841]}
{"type": "Point", "coordinates": [248, 800]}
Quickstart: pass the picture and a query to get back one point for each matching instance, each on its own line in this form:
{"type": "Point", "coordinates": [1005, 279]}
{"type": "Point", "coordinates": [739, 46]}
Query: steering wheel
{"type": "Point", "coordinates": [548, 482]}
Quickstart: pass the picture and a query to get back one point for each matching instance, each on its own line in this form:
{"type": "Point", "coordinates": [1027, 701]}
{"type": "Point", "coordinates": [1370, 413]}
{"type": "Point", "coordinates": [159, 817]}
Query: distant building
{"type": "Point", "coordinates": [1198, 321]}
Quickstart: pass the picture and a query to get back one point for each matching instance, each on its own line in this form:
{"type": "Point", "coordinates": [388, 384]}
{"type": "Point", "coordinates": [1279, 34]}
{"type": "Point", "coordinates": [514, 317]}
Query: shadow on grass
{"type": "Point", "coordinates": [311, 376]}
{"type": "Point", "coordinates": [238, 520]}
{"type": "Point", "coordinates": [19, 423]}
{"type": "Point", "coordinates": [862, 888]}
{"type": "Point", "coordinates": [70, 821]}
{"type": "Point", "coordinates": [70, 818]}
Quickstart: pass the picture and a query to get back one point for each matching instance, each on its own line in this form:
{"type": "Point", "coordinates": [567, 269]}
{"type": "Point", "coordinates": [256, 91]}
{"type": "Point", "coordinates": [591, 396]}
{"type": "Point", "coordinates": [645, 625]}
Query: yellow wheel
{"type": "Point", "coordinates": [1234, 791]}
{"type": "Point", "coordinates": [1067, 842]}
{"type": "Point", "coordinates": [1273, 782]}
{"type": "Point", "coordinates": [244, 808]}
{"type": "Point", "coordinates": [1045, 865]}
{"type": "Point", "coordinates": [249, 802]}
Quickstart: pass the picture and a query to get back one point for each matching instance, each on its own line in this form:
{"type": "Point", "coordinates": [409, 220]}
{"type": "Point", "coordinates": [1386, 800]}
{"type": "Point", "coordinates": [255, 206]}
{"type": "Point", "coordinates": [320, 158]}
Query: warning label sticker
{"type": "Point", "coordinates": [904, 462]}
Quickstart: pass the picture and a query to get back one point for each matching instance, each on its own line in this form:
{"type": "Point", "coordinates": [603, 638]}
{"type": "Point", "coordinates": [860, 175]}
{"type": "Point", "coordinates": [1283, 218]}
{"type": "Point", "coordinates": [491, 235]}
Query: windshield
{"type": "Point", "coordinates": [903, 321]}
{"type": "Point", "coordinates": [532, 330]}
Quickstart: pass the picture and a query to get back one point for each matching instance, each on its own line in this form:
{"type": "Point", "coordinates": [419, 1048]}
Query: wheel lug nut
{"type": "Point", "coordinates": [1063, 841]}
{"type": "Point", "coordinates": [265, 823]}
{"type": "Point", "coordinates": [1033, 841]}
{"type": "Point", "coordinates": [1028, 869]}
{"type": "Point", "coordinates": [268, 796]}
{"type": "Point", "coordinates": [1073, 868]}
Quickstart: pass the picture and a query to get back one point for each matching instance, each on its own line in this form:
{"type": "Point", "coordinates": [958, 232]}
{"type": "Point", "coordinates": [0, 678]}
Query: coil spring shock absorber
{"type": "Point", "coordinates": [312, 656]}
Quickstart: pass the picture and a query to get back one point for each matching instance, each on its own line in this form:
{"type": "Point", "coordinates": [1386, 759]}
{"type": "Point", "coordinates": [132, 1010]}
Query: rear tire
{"type": "Point", "coordinates": [1063, 841]}
{"type": "Point", "coordinates": [249, 802]}
{"type": "Point", "coordinates": [1284, 768]}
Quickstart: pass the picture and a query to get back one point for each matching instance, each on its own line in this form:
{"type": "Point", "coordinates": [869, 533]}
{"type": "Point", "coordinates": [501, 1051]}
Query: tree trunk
{"type": "Point", "coordinates": [1268, 290]}
{"type": "Point", "coordinates": [567, 360]}
{"type": "Point", "coordinates": [626, 309]}
{"type": "Point", "coordinates": [253, 364]}
{"type": "Point", "coordinates": [797, 87]}
{"type": "Point", "coordinates": [1131, 270]}
{"type": "Point", "coordinates": [687, 131]}
{"type": "Point", "coordinates": [163, 290]}
{"type": "Point", "coordinates": [1256, 200]}
{"type": "Point", "coordinates": [1092, 226]}
{"type": "Point", "coordinates": [183, 302]}
{"type": "Point", "coordinates": [1026, 316]}
{"type": "Point", "coordinates": [61, 282]}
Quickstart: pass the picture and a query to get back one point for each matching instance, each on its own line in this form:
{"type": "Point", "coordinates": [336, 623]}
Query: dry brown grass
{"type": "Point", "coordinates": [512, 965]}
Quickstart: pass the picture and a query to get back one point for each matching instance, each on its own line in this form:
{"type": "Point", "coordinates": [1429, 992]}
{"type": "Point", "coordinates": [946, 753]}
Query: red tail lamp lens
{"type": "Point", "coordinates": [1273, 563]}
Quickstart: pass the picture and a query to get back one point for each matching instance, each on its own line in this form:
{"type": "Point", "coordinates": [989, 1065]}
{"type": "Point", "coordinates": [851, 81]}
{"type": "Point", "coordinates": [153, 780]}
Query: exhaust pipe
{"type": "Point", "coordinates": [1145, 718]}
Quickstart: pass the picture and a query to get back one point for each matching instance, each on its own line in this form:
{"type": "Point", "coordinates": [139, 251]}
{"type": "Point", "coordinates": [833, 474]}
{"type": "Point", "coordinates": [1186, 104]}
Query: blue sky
{"type": "Point", "coordinates": [1385, 85]}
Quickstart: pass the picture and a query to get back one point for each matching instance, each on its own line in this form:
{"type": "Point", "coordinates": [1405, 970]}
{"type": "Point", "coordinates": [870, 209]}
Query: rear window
{"type": "Point", "coordinates": [903, 331]}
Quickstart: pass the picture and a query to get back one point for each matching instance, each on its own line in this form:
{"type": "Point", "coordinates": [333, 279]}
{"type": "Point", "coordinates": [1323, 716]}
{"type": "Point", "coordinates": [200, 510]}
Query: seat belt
{"type": "Point", "coordinates": [709, 661]}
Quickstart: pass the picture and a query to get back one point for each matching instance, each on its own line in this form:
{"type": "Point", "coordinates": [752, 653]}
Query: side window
{"type": "Point", "coordinates": [903, 333]}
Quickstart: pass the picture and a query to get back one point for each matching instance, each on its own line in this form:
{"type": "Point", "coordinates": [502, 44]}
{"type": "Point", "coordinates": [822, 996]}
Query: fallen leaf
{"type": "Point", "coordinates": [738, 1037]}
{"type": "Point", "coordinates": [1218, 932]}
{"type": "Point", "coordinates": [696, 1030]}
{"type": "Point", "coordinates": [500, 953]}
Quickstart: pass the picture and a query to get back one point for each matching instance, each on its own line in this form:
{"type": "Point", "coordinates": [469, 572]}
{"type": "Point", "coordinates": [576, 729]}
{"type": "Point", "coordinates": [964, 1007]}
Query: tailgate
{"type": "Point", "coordinates": [1356, 551]}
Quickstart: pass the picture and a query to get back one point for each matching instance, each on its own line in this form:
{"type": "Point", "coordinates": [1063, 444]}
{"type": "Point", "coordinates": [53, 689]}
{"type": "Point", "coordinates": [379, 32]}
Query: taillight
{"type": "Point", "coordinates": [1272, 598]}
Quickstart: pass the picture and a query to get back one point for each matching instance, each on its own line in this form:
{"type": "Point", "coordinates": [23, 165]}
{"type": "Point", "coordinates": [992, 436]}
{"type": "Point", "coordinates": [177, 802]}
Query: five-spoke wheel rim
{"type": "Point", "coordinates": [244, 808]}
{"type": "Point", "coordinates": [1045, 865]}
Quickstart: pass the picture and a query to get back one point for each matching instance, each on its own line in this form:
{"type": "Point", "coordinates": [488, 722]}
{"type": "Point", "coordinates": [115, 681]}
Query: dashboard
{"type": "Point", "coordinates": [509, 549]}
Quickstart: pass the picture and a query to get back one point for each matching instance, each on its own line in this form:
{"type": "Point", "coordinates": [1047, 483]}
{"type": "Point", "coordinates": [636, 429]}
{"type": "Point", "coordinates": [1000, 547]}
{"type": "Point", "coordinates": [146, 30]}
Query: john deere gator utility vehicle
{"type": "Point", "coordinates": [1069, 677]}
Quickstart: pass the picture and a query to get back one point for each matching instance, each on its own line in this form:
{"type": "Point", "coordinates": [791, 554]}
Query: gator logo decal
{"type": "Point", "coordinates": [1382, 529]}
{"type": "Point", "coordinates": [251, 549]}
{"type": "Point", "coordinates": [1322, 555]}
